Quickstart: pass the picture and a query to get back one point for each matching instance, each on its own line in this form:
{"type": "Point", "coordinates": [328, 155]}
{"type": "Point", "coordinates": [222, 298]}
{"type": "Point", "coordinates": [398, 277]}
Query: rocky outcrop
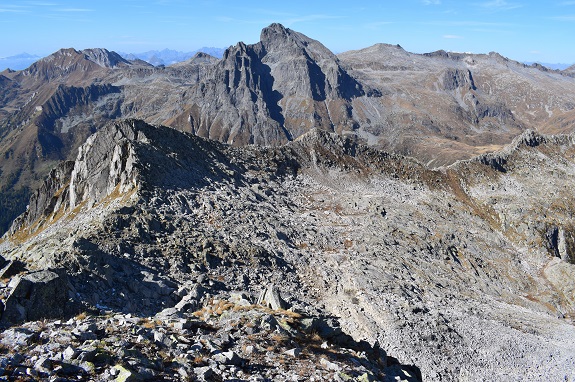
{"type": "Point", "coordinates": [271, 298]}
{"type": "Point", "coordinates": [528, 138]}
{"type": "Point", "coordinates": [34, 296]}
{"type": "Point", "coordinates": [105, 58]}
{"type": "Point", "coordinates": [456, 78]}
{"type": "Point", "coordinates": [105, 164]}
{"type": "Point", "coordinates": [47, 200]}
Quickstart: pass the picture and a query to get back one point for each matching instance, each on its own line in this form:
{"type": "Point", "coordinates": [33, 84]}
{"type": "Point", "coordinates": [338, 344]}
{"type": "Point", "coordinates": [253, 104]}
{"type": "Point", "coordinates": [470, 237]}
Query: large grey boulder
{"type": "Point", "coordinates": [36, 295]}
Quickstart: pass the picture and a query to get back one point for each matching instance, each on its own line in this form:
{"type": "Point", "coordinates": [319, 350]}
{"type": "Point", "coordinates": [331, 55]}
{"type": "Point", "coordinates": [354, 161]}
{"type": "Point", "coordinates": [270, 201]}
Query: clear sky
{"type": "Point", "coordinates": [523, 30]}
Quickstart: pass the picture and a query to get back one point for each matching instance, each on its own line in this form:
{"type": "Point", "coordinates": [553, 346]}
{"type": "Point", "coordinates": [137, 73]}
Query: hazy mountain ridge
{"type": "Point", "coordinates": [18, 62]}
{"type": "Point", "coordinates": [555, 66]}
{"type": "Point", "coordinates": [168, 57]}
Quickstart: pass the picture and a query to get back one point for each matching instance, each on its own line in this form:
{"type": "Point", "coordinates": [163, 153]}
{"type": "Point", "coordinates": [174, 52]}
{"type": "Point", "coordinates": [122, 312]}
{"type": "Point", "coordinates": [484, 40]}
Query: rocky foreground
{"type": "Point", "coordinates": [183, 258]}
{"type": "Point", "coordinates": [225, 340]}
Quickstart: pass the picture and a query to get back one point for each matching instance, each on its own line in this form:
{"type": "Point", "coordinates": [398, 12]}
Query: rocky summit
{"type": "Point", "coordinates": [160, 255]}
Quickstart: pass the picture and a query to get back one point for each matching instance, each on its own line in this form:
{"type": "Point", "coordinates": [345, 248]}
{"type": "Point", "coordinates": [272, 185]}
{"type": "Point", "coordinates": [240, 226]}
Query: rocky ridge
{"type": "Point", "coordinates": [149, 220]}
{"type": "Point", "coordinates": [437, 107]}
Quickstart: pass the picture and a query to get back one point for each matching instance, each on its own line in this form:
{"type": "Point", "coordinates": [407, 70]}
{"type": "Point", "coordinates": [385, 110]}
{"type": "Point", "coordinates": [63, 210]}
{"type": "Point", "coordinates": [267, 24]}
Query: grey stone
{"type": "Point", "coordinates": [17, 337]}
{"type": "Point", "coordinates": [240, 298]}
{"type": "Point", "coordinates": [204, 373]}
{"type": "Point", "coordinates": [249, 350]}
{"type": "Point", "coordinates": [70, 353]}
{"type": "Point", "coordinates": [191, 301]}
{"type": "Point", "coordinates": [183, 324]}
{"type": "Point", "coordinates": [43, 364]}
{"type": "Point", "coordinates": [227, 358]}
{"type": "Point", "coordinates": [328, 365]}
{"type": "Point", "coordinates": [269, 322]}
{"type": "Point", "coordinates": [36, 295]}
{"type": "Point", "coordinates": [162, 338]}
{"type": "Point", "coordinates": [271, 298]}
{"type": "Point", "coordinates": [295, 352]}
{"type": "Point", "coordinates": [87, 354]}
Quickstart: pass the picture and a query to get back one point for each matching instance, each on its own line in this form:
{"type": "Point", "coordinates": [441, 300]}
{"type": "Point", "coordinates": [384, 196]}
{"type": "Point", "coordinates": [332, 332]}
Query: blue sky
{"type": "Point", "coordinates": [519, 29]}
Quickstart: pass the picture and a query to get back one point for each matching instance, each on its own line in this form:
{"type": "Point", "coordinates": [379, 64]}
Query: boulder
{"type": "Point", "coordinates": [191, 301]}
{"type": "Point", "coordinates": [227, 358]}
{"type": "Point", "coordinates": [36, 295]}
{"type": "Point", "coordinates": [271, 298]}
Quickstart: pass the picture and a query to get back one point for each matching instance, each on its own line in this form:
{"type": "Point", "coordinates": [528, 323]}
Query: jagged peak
{"type": "Point", "coordinates": [100, 56]}
{"type": "Point", "coordinates": [239, 49]}
{"type": "Point", "coordinates": [277, 38]}
{"type": "Point", "coordinates": [64, 52]}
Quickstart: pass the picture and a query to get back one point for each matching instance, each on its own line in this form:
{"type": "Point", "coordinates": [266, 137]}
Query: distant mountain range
{"type": "Point", "coordinates": [164, 57]}
{"type": "Point", "coordinates": [550, 66]}
{"type": "Point", "coordinates": [439, 107]}
{"type": "Point", "coordinates": [18, 62]}
{"type": "Point", "coordinates": [168, 57]}
{"type": "Point", "coordinates": [426, 200]}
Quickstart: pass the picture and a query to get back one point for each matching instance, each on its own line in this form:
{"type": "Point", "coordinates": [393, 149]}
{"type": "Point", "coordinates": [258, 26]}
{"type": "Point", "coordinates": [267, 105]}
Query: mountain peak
{"type": "Point", "coordinates": [273, 31]}
{"type": "Point", "coordinates": [281, 41]}
{"type": "Point", "coordinates": [83, 63]}
{"type": "Point", "coordinates": [104, 57]}
{"type": "Point", "coordinates": [64, 52]}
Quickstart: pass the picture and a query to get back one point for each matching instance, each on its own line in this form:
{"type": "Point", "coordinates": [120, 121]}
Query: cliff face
{"type": "Point", "coordinates": [439, 267]}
